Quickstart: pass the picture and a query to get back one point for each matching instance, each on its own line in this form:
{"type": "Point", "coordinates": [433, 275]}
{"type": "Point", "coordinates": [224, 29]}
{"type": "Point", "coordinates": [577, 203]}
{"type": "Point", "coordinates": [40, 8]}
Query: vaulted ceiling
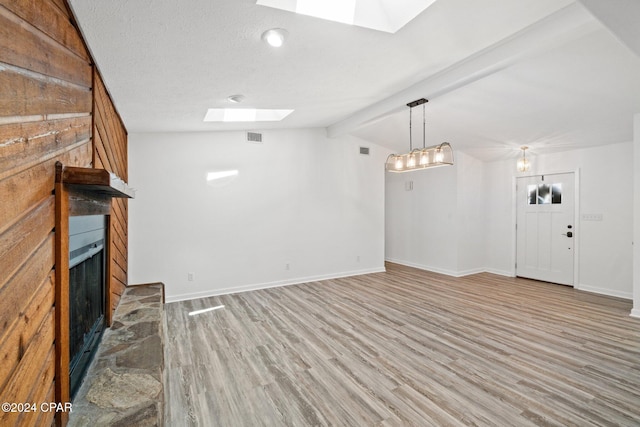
{"type": "Point", "coordinates": [550, 74]}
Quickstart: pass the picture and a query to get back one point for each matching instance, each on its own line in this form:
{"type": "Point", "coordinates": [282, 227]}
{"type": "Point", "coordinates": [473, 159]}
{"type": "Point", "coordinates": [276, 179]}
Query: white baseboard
{"type": "Point", "coordinates": [424, 267]}
{"type": "Point", "coordinates": [460, 273]}
{"type": "Point", "coordinates": [267, 285]}
{"type": "Point", "coordinates": [635, 312]}
{"type": "Point", "coordinates": [604, 291]}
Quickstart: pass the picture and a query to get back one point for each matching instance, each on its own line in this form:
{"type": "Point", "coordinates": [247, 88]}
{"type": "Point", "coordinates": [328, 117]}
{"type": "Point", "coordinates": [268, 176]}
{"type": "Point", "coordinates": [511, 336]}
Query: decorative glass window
{"type": "Point", "coordinates": [556, 193]}
{"type": "Point", "coordinates": [544, 194]}
{"type": "Point", "coordinates": [532, 191]}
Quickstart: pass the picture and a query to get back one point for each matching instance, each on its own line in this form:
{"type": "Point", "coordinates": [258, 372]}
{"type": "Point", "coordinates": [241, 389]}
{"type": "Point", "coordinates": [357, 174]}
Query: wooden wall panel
{"type": "Point", "coordinates": [51, 18]}
{"type": "Point", "coordinates": [23, 47]}
{"type": "Point", "coordinates": [24, 328]}
{"type": "Point", "coordinates": [25, 95]}
{"type": "Point", "coordinates": [23, 145]}
{"type": "Point", "coordinates": [110, 152]}
{"type": "Point", "coordinates": [49, 111]}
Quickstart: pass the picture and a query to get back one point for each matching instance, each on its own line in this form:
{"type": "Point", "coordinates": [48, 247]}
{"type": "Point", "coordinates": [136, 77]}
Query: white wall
{"type": "Point", "coordinates": [461, 220]}
{"type": "Point", "coordinates": [437, 226]}
{"type": "Point", "coordinates": [636, 216]}
{"type": "Point", "coordinates": [605, 187]}
{"type": "Point", "coordinates": [471, 215]}
{"type": "Point", "coordinates": [300, 199]}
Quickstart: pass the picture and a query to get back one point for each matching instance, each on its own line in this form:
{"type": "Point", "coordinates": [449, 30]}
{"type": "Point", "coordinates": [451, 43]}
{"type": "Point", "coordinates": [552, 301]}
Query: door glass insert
{"type": "Point", "coordinates": [532, 192]}
{"type": "Point", "coordinates": [544, 194]}
{"type": "Point", "coordinates": [556, 193]}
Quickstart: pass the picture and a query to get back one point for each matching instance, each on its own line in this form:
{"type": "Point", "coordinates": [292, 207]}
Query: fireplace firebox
{"type": "Point", "coordinates": [86, 292]}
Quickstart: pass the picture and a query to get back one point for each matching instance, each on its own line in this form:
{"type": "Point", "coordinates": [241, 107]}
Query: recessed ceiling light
{"type": "Point", "coordinates": [275, 36]}
{"type": "Point", "coordinates": [245, 115]}
{"type": "Point", "coordinates": [236, 99]}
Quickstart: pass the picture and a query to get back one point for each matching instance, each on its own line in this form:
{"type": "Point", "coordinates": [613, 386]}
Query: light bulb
{"type": "Point", "coordinates": [523, 165]}
{"type": "Point", "coordinates": [275, 36]}
{"type": "Point", "coordinates": [438, 157]}
{"type": "Point", "coordinates": [399, 164]}
{"type": "Point", "coordinates": [411, 163]}
{"type": "Point", "coordinates": [424, 157]}
{"type": "Point", "coordinates": [275, 40]}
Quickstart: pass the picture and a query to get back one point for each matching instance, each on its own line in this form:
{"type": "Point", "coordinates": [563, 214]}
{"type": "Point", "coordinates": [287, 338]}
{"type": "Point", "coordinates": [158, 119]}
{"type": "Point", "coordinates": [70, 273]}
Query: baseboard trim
{"type": "Point", "coordinates": [601, 291]}
{"type": "Point", "coordinates": [635, 312]}
{"type": "Point", "coordinates": [500, 272]}
{"type": "Point", "coordinates": [424, 267]}
{"type": "Point", "coordinates": [451, 273]}
{"type": "Point", "coordinates": [267, 285]}
{"type": "Point", "coordinates": [607, 292]}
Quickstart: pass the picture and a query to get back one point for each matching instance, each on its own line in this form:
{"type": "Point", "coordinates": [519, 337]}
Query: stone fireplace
{"type": "Point", "coordinates": [83, 259]}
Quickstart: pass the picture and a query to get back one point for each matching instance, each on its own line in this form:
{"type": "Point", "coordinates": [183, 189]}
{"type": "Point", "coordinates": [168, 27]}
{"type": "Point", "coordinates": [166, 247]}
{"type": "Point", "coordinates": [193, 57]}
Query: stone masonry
{"type": "Point", "coordinates": [124, 384]}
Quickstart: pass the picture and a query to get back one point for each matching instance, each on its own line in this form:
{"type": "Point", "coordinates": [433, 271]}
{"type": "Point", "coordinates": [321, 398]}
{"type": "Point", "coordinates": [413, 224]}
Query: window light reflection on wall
{"type": "Point", "coordinates": [221, 178]}
{"type": "Point", "coordinates": [212, 176]}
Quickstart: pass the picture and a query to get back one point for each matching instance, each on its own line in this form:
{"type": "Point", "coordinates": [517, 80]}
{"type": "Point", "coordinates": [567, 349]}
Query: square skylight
{"type": "Point", "coordinates": [245, 115]}
{"type": "Point", "coordinates": [382, 15]}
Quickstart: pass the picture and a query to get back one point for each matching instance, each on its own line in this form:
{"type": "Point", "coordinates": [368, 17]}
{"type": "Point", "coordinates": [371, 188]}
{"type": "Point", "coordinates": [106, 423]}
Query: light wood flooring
{"type": "Point", "coordinates": [405, 347]}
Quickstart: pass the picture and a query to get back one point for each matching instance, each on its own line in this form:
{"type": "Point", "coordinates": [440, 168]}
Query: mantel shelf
{"type": "Point", "coordinates": [97, 180]}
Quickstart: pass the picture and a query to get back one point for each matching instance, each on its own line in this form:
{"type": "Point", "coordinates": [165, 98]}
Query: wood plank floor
{"type": "Point", "coordinates": [405, 347]}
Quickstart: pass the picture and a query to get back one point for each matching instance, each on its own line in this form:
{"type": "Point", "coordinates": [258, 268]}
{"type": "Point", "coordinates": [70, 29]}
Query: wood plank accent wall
{"type": "Point", "coordinates": [49, 111]}
{"type": "Point", "coordinates": [110, 153]}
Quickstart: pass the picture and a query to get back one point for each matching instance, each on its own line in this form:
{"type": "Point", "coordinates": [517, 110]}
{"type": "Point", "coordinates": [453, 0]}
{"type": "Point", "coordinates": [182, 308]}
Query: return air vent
{"type": "Point", "coordinates": [254, 137]}
{"type": "Point", "coordinates": [364, 150]}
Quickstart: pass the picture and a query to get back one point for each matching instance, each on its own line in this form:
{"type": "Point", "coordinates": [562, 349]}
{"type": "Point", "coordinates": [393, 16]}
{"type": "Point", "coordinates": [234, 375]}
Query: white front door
{"type": "Point", "coordinates": [545, 227]}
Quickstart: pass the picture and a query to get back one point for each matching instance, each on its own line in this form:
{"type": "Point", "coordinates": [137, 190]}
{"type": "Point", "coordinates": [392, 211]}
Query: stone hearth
{"type": "Point", "coordinates": [124, 384]}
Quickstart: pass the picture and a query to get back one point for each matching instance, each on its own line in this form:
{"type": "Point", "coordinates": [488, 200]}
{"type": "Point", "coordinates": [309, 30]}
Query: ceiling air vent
{"type": "Point", "coordinates": [254, 137]}
{"type": "Point", "coordinates": [364, 150]}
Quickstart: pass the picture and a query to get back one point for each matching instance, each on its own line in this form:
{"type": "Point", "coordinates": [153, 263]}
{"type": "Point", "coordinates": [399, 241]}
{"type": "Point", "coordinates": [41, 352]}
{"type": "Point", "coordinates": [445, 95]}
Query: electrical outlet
{"type": "Point", "coordinates": [286, 266]}
{"type": "Point", "coordinates": [190, 277]}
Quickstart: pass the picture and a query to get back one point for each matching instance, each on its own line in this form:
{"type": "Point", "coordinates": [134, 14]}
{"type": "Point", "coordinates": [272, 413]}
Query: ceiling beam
{"type": "Point", "coordinates": [621, 17]}
{"type": "Point", "coordinates": [568, 23]}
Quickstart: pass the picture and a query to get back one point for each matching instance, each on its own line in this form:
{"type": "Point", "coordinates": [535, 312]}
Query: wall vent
{"type": "Point", "coordinates": [364, 150]}
{"type": "Point", "coordinates": [254, 137]}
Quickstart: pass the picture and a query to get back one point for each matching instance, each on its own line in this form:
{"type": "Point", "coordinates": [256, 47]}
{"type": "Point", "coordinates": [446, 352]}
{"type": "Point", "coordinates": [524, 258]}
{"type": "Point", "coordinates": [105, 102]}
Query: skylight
{"type": "Point", "coordinates": [245, 115]}
{"type": "Point", "coordinates": [382, 15]}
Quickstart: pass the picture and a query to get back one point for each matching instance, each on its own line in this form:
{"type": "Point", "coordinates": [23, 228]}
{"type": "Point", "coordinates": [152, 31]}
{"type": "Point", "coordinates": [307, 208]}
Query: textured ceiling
{"type": "Point", "coordinates": [498, 73]}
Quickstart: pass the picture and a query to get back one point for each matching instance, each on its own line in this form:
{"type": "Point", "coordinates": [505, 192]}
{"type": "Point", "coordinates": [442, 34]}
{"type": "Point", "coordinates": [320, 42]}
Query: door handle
{"type": "Point", "coordinates": [568, 234]}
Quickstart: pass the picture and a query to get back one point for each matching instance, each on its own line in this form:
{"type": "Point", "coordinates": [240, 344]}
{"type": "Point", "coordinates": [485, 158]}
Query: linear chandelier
{"type": "Point", "coordinates": [420, 158]}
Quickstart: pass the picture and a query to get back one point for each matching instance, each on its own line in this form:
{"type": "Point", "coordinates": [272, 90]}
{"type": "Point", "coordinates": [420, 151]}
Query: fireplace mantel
{"type": "Point", "coordinates": [100, 181]}
{"type": "Point", "coordinates": [79, 191]}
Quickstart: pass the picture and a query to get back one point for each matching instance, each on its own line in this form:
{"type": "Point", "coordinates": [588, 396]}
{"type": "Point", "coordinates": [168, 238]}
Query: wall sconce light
{"type": "Point", "coordinates": [420, 158]}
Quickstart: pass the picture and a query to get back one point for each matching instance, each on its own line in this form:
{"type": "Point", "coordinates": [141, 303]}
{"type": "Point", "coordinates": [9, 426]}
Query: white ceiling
{"type": "Point", "coordinates": [498, 73]}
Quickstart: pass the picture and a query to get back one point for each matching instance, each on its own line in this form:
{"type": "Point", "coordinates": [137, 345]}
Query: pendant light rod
{"type": "Point", "coordinates": [412, 104]}
{"type": "Point", "coordinates": [424, 135]}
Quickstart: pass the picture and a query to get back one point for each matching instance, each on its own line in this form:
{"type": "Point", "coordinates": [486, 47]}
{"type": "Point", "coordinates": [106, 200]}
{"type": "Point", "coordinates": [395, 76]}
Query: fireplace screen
{"type": "Point", "coordinates": [86, 293]}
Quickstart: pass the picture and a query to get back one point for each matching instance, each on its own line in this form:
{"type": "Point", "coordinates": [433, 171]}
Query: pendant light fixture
{"type": "Point", "coordinates": [420, 158]}
{"type": "Point", "coordinates": [523, 164]}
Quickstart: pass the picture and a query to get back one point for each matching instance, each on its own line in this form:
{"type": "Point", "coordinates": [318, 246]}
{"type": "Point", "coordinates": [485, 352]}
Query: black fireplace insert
{"type": "Point", "coordinates": [86, 293]}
